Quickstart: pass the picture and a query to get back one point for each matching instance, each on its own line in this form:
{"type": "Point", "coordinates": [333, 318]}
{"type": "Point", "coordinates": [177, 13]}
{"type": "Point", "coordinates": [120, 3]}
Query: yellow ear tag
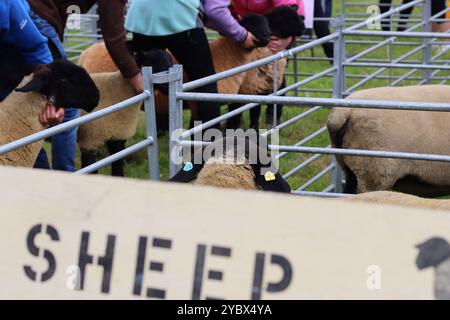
{"type": "Point", "coordinates": [269, 176]}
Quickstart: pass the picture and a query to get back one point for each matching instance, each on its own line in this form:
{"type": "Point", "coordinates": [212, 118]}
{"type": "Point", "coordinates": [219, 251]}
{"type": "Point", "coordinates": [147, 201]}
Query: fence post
{"type": "Point", "coordinates": [338, 87]}
{"type": "Point", "coordinates": [150, 124]}
{"type": "Point", "coordinates": [426, 41]}
{"type": "Point", "coordinates": [275, 89]}
{"type": "Point", "coordinates": [175, 117]}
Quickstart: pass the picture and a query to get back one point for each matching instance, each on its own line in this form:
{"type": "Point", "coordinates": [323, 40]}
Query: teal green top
{"type": "Point", "coordinates": [163, 17]}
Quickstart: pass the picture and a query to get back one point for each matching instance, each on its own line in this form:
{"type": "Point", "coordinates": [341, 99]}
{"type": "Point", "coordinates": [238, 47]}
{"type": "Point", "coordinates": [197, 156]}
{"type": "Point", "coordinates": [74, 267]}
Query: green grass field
{"type": "Point", "coordinates": [136, 165]}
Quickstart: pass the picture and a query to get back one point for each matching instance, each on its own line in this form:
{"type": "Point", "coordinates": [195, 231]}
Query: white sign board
{"type": "Point", "coordinates": [65, 236]}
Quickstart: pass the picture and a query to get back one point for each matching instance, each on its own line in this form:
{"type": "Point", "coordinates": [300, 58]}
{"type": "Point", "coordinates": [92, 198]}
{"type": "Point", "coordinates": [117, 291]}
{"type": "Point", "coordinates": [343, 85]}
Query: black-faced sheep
{"type": "Point", "coordinates": [114, 129]}
{"type": "Point", "coordinates": [284, 23]}
{"type": "Point", "coordinates": [226, 53]}
{"type": "Point", "coordinates": [236, 163]}
{"type": "Point", "coordinates": [258, 81]}
{"type": "Point", "coordinates": [394, 130]}
{"type": "Point", "coordinates": [60, 83]}
{"type": "Point", "coordinates": [400, 199]}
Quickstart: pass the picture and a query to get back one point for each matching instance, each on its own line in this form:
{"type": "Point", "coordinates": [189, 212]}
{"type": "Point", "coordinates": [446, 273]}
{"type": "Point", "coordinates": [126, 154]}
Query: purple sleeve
{"type": "Point", "coordinates": [221, 20]}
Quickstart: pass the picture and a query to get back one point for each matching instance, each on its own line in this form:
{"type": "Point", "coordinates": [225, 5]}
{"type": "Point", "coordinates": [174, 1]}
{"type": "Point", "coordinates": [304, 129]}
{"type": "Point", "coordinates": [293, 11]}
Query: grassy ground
{"type": "Point", "coordinates": [136, 165]}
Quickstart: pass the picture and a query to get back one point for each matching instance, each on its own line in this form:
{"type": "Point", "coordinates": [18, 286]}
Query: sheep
{"type": "Point", "coordinates": [258, 81]}
{"type": "Point", "coordinates": [61, 83]}
{"type": "Point", "coordinates": [113, 129]}
{"type": "Point", "coordinates": [226, 54]}
{"type": "Point", "coordinates": [283, 23]}
{"type": "Point", "coordinates": [400, 199]}
{"type": "Point", "coordinates": [394, 130]}
{"type": "Point", "coordinates": [233, 162]}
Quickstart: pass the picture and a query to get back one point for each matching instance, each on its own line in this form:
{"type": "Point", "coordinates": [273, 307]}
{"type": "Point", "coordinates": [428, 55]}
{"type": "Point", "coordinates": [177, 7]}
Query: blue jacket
{"type": "Point", "coordinates": [18, 30]}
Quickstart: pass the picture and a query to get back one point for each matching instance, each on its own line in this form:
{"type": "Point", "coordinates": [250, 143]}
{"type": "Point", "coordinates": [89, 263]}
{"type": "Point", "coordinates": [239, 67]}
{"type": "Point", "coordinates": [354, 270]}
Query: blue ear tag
{"type": "Point", "coordinates": [188, 166]}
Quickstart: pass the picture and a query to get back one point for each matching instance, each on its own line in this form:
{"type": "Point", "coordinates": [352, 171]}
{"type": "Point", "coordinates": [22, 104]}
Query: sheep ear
{"type": "Point", "coordinates": [41, 75]}
{"type": "Point", "coordinates": [188, 173]}
{"type": "Point", "coordinates": [271, 181]}
{"type": "Point", "coordinates": [38, 83]}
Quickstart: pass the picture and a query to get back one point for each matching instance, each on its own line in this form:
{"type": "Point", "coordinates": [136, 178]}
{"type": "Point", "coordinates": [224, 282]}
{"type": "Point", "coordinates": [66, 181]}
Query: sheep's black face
{"type": "Point", "coordinates": [259, 26]}
{"type": "Point", "coordinates": [432, 252]}
{"type": "Point", "coordinates": [284, 22]}
{"type": "Point", "coordinates": [160, 61]}
{"type": "Point", "coordinates": [65, 84]}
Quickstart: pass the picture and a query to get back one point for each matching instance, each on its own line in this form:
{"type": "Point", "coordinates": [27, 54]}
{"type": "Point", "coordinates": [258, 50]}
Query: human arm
{"type": "Point", "coordinates": [18, 30]}
{"type": "Point", "coordinates": [219, 18]}
{"type": "Point", "coordinates": [111, 13]}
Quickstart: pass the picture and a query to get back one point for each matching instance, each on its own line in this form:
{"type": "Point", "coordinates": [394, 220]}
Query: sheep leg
{"type": "Point", "coordinates": [351, 181]}
{"type": "Point", "coordinates": [115, 146]}
{"type": "Point", "coordinates": [162, 122]}
{"type": "Point", "coordinates": [254, 117]}
{"type": "Point", "coordinates": [234, 122]}
{"type": "Point", "coordinates": [88, 157]}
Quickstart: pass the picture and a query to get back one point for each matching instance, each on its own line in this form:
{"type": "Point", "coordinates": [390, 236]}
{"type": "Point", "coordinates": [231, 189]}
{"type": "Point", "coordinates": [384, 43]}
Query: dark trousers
{"type": "Point", "coordinates": [255, 112]}
{"type": "Point", "coordinates": [436, 7]}
{"type": "Point", "coordinates": [328, 8]}
{"type": "Point", "coordinates": [385, 6]}
{"type": "Point", "coordinates": [321, 28]}
{"type": "Point", "coordinates": [12, 70]}
{"type": "Point", "coordinates": [191, 49]}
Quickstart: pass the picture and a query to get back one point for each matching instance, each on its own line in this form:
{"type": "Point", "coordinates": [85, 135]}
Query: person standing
{"type": "Point", "coordinates": [50, 17]}
{"type": "Point", "coordinates": [22, 47]}
{"type": "Point", "coordinates": [178, 25]}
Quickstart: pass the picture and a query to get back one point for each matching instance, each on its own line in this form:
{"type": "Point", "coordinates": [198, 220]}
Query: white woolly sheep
{"type": "Point", "coordinates": [236, 163]}
{"type": "Point", "coordinates": [394, 130]}
{"type": "Point", "coordinates": [400, 199]}
{"type": "Point", "coordinates": [61, 83]}
{"type": "Point", "coordinates": [226, 54]}
{"type": "Point", "coordinates": [258, 81]}
{"type": "Point", "coordinates": [114, 129]}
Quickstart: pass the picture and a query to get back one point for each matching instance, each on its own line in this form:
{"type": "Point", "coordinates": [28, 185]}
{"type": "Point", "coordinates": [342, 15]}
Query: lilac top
{"type": "Point", "coordinates": [220, 19]}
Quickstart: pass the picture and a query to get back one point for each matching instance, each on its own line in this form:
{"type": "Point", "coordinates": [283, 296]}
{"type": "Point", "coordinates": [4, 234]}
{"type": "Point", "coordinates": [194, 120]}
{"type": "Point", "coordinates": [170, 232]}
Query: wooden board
{"type": "Point", "coordinates": [80, 237]}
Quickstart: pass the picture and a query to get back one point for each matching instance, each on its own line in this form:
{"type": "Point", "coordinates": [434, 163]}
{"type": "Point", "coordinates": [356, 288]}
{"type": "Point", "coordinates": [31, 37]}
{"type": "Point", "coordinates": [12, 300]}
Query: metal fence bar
{"type": "Point", "coordinates": [72, 124]}
{"type": "Point", "coordinates": [426, 41]}
{"type": "Point", "coordinates": [317, 177]}
{"type": "Point", "coordinates": [397, 34]}
{"type": "Point", "coordinates": [329, 188]}
{"type": "Point", "coordinates": [339, 86]}
{"type": "Point", "coordinates": [248, 106]}
{"type": "Point", "coordinates": [431, 76]}
{"type": "Point", "coordinates": [321, 194]}
{"type": "Point", "coordinates": [292, 120]}
{"type": "Point", "coordinates": [175, 117]}
{"type": "Point", "coordinates": [363, 153]}
{"type": "Point", "coordinates": [305, 140]}
{"type": "Point", "coordinates": [150, 124]}
{"type": "Point", "coordinates": [302, 165]}
{"type": "Point", "coordinates": [284, 54]}
{"type": "Point", "coordinates": [117, 156]}
{"type": "Point", "coordinates": [384, 15]}
{"type": "Point", "coordinates": [323, 102]}
{"type": "Point", "coordinates": [378, 72]}
{"type": "Point", "coordinates": [397, 65]}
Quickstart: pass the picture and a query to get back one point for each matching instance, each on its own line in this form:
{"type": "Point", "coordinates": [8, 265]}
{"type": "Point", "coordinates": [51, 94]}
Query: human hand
{"type": "Point", "coordinates": [279, 44]}
{"type": "Point", "coordinates": [250, 42]}
{"type": "Point", "coordinates": [50, 115]}
{"type": "Point", "coordinates": [137, 83]}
